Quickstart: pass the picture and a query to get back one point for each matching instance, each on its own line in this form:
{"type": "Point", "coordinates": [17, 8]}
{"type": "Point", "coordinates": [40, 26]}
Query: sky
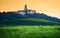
{"type": "Point", "coordinates": [49, 7]}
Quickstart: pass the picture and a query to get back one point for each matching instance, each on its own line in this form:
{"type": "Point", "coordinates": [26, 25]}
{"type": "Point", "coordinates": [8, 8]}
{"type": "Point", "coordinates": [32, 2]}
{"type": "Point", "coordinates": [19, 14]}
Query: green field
{"type": "Point", "coordinates": [30, 31]}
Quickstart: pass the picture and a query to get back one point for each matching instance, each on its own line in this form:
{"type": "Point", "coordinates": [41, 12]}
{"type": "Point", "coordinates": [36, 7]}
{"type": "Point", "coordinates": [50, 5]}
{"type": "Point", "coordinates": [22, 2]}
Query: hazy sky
{"type": "Point", "coordinates": [49, 7]}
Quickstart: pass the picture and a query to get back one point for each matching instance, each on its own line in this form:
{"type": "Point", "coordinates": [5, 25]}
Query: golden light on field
{"type": "Point", "coordinates": [49, 7]}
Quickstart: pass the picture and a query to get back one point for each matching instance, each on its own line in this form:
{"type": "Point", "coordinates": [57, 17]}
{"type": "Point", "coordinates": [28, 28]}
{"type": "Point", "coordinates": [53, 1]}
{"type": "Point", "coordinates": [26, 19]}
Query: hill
{"type": "Point", "coordinates": [16, 18]}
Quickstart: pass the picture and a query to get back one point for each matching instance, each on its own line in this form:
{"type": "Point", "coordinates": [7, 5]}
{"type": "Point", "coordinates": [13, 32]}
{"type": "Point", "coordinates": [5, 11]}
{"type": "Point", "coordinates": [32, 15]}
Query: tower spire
{"type": "Point", "coordinates": [25, 9]}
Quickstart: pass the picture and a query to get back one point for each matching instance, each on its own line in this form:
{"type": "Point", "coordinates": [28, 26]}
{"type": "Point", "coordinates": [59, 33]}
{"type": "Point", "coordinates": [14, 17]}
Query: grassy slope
{"type": "Point", "coordinates": [30, 32]}
{"type": "Point", "coordinates": [30, 21]}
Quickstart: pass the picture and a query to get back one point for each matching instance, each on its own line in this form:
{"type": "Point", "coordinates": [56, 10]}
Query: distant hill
{"type": "Point", "coordinates": [15, 18]}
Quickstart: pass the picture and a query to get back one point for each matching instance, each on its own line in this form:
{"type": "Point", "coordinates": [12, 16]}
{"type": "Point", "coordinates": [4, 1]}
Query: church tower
{"type": "Point", "coordinates": [25, 9]}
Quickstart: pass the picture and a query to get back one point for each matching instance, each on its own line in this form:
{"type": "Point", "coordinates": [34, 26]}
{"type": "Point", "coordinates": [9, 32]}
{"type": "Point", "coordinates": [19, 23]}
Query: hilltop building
{"type": "Point", "coordinates": [26, 11]}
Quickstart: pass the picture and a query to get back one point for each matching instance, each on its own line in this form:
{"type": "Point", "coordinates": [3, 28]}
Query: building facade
{"type": "Point", "coordinates": [26, 11]}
